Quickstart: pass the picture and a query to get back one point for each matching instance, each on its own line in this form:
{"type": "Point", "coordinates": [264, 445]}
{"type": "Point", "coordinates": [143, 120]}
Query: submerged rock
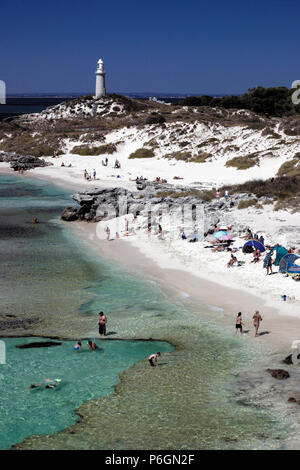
{"type": "Point", "coordinates": [279, 374]}
{"type": "Point", "coordinates": [39, 344]}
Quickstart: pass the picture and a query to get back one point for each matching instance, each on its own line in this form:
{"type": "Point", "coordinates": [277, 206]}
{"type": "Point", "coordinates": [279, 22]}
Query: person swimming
{"type": "Point", "coordinates": [47, 382]}
{"type": "Point", "coordinates": [92, 345]}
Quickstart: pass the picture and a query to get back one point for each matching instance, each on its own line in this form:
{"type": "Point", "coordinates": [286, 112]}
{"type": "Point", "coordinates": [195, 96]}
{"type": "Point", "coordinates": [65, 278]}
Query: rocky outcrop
{"type": "Point", "coordinates": [70, 214]}
{"type": "Point", "coordinates": [99, 204]}
{"type": "Point", "coordinates": [279, 374]}
{"type": "Point", "coordinates": [21, 162]}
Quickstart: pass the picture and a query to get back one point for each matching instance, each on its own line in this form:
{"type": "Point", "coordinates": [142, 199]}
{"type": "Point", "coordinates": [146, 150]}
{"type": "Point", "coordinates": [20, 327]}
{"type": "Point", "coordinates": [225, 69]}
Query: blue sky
{"type": "Point", "coordinates": [166, 46]}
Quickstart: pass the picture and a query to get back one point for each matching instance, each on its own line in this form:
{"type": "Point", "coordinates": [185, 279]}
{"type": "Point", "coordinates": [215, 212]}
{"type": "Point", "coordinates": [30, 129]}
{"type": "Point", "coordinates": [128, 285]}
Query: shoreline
{"type": "Point", "coordinates": [176, 278]}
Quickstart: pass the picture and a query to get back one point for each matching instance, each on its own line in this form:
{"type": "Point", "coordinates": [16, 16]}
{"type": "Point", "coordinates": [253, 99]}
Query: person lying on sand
{"type": "Point", "coordinates": [249, 235]}
{"type": "Point", "coordinates": [233, 259]}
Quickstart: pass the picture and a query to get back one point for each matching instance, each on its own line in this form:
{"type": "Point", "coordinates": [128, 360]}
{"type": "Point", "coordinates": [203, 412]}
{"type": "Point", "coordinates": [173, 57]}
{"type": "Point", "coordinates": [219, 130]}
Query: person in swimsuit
{"type": "Point", "coordinates": [92, 345]}
{"type": "Point", "coordinates": [77, 346]}
{"type": "Point", "coordinates": [153, 359]}
{"type": "Point", "coordinates": [239, 323]}
{"type": "Point", "coordinates": [102, 324]}
{"type": "Point", "coordinates": [257, 318]}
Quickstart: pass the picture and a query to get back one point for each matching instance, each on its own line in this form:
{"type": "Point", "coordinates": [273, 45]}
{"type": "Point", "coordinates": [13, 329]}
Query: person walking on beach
{"type": "Point", "coordinates": [102, 324]}
{"type": "Point", "coordinates": [107, 230]}
{"type": "Point", "coordinates": [257, 318]}
{"type": "Point", "coordinates": [153, 359]}
{"type": "Point", "coordinates": [94, 174]}
{"type": "Point", "coordinates": [239, 323]}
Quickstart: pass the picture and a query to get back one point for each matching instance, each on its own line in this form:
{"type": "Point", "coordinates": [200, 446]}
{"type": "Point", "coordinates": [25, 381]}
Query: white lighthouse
{"type": "Point", "coordinates": [100, 80]}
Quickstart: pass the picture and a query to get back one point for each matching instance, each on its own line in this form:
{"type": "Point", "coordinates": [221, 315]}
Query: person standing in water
{"type": "Point", "coordinates": [102, 324]}
{"type": "Point", "coordinates": [153, 359]}
{"type": "Point", "coordinates": [239, 323]}
{"type": "Point", "coordinates": [257, 318]}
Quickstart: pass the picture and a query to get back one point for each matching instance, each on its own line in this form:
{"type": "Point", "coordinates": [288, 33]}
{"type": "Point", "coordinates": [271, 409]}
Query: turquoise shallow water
{"type": "Point", "coordinates": [47, 273]}
{"type": "Point", "coordinates": [84, 375]}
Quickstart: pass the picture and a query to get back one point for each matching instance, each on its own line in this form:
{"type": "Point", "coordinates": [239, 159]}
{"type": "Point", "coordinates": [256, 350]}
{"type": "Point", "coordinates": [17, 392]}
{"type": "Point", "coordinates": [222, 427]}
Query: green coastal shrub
{"type": "Point", "coordinates": [242, 163]}
{"type": "Point", "coordinates": [247, 203]}
{"type": "Point", "coordinates": [155, 118]}
{"type": "Point", "coordinates": [142, 153]}
{"type": "Point", "coordinates": [188, 157]}
{"type": "Point", "coordinates": [92, 151]}
{"type": "Point", "coordinates": [290, 168]}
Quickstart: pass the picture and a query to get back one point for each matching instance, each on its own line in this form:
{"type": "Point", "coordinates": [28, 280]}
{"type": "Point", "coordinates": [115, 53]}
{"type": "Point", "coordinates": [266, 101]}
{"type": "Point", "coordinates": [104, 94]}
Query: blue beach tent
{"type": "Point", "coordinates": [280, 252]}
{"type": "Point", "coordinates": [285, 261]}
{"type": "Point", "coordinates": [293, 269]}
{"type": "Point", "coordinates": [255, 244]}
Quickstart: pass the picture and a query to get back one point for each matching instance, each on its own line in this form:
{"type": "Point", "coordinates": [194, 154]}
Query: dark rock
{"type": "Point", "coordinates": [288, 360]}
{"type": "Point", "coordinates": [22, 162]}
{"type": "Point", "coordinates": [39, 344]}
{"type": "Point", "coordinates": [279, 374]}
{"type": "Point", "coordinates": [70, 214]}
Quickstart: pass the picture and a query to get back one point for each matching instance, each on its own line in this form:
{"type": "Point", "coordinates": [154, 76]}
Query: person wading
{"type": "Point", "coordinates": [102, 324]}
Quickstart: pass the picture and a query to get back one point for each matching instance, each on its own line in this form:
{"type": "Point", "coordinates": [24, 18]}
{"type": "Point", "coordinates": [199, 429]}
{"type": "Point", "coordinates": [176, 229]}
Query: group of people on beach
{"type": "Point", "coordinates": [257, 319]}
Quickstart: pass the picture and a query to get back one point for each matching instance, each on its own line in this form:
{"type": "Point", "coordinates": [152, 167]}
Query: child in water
{"type": "Point", "coordinates": [77, 346]}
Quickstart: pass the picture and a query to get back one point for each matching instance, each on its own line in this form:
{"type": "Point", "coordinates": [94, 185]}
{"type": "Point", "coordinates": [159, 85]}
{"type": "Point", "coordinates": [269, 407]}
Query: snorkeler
{"type": "Point", "coordinates": [47, 382]}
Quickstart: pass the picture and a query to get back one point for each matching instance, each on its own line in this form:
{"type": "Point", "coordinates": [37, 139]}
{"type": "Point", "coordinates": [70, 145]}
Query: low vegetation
{"type": "Point", "coordinates": [266, 101]}
{"type": "Point", "coordinates": [92, 151]}
{"type": "Point", "coordinates": [247, 203]}
{"type": "Point", "coordinates": [188, 157]}
{"type": "Point", "coordinates": [243, 163]}
{"type": "Point", "coordinates": [142, 153]}
{"type": "Point", "coordinates": [290, 168]}
{"type": "Point", "coordinates": [203, 195]}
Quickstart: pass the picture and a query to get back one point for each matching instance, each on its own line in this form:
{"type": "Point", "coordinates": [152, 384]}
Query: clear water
{"type": "Point", "coordinates": [188, 403]}
{"type": "Point", "coordinates": [84, 375]}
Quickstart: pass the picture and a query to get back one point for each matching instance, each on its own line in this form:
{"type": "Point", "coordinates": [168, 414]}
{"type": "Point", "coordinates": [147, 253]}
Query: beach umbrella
{"type": "Point", "coordinates": [219, 233]}
{"type": "Point", "coordinates": [225, 237]}
{"type": "Point", "coordinates": [255, 244]}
